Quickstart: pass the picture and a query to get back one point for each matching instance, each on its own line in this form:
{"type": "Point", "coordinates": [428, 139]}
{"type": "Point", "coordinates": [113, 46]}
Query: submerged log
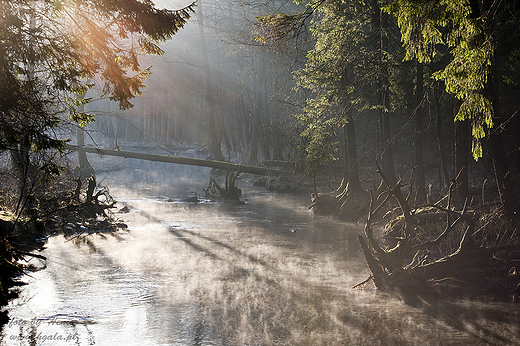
{"type": "Point", "coordinates": [175, 159]}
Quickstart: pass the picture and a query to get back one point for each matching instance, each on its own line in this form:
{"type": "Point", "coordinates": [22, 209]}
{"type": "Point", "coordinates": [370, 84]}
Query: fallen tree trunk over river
{"type": "Point", "coordinates": [175, 159]}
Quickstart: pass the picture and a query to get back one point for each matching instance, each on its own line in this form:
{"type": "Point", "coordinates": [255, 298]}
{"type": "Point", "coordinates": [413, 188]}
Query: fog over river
{"type": "Point", "coordinates": [267, 272]}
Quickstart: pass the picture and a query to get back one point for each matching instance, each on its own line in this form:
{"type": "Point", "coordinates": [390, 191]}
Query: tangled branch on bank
{"type": "Point", "coordinates": [416, 255]}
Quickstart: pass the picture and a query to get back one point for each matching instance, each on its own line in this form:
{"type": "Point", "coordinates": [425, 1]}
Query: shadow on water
{"type": "Point", "coordinates": [489, 323]}
{"type": "Point", "coordinates": [252, 290]}
{"type": "Point", "coordinates": [265, 273]}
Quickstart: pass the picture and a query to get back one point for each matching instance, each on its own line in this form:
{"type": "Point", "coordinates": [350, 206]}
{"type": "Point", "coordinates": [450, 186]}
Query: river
{"type": "Point", "coordinates": [267, 272]}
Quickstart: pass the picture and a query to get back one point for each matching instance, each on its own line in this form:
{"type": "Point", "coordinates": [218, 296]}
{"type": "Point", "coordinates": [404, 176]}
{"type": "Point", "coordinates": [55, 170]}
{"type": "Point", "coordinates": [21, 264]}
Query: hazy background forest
{"type": "Point", "coordinates": [238, 87]}
{"type": "Point", "coordinates": [214, 83]}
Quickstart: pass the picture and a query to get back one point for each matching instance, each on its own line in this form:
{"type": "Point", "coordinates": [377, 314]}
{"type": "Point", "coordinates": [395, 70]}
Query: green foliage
{"type": "Point", "coordinates": [51, 51]}
{"type": "Point", "coordinates": [340, 58]}
{"type": "Point", "coordinates": [513, 68]}
{"type": "Point", "coordinates": [320, 138]}
{"type": "Point", "coordinates": [276, 27]}
{"type": "Point", "coordinates": [429, 25]}
{"type": "Point", "coordinates": [76, 115]}
{"type": "Point", "coordinates": [418, 23]}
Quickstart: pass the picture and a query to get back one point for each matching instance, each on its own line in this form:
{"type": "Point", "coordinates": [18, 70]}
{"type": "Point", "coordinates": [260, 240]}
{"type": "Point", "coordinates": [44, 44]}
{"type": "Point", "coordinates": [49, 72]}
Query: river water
{"type": "Point", "coordinates": [268, 272]}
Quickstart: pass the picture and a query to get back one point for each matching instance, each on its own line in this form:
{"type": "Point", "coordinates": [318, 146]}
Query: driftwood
{"type": "Point", "coordinates": [175, 159]}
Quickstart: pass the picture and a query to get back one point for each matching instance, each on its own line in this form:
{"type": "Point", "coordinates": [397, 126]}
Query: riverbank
{"type": "Point", "coordinates": [64, 208]}
{"type": "Point", "coordinates": [14, 248]}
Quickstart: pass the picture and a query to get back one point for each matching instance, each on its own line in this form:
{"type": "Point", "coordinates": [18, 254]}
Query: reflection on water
{"type": "Point", "coordinates": [264, 273]}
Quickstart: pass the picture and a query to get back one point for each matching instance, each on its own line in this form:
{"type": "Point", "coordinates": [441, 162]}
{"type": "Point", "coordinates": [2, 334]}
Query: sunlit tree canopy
{"type": "Point", "coordinates": [473, 31]}
{"type": "Point", "coordinates": [52, 52]}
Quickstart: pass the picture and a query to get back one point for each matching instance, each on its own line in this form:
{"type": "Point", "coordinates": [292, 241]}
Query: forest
{"type": "Point", "coordinates": [400, 115]}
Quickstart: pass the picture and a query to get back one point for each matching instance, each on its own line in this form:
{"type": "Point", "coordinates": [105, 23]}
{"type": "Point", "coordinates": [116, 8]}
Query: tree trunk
{"type": "Point", "coordinates": [501, 167]}
{"type": "Point", "coordinates": [85, 169]}
{"type": "Point", "coordinates": [384, 103]}
{"type": "Point", "coordinates": [266, 147]}
{"type": "Point", "coordinates": [460, 158]}
{"type": "Point", "coordinates": [263, 107]}
{"type": "Point", "coordinates": [351, 157]}
{"type": "Point", "coordinates": [214, 144]}
{"type": "Point", "coordinates": [255, 134]}
{"type": "Point", "coordinates": [277, 147]}
{"type": "Point", "coordinates": [420, 180]}
{"type": "Point", "coordinates": [442, 152]}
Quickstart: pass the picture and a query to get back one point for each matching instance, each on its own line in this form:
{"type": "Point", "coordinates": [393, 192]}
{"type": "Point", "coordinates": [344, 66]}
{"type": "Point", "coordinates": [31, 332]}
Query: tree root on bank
{"type": "Point", "coordinates": [413, 262]}
{"type": "Point", "coordinates": [71, 213]}
{"type": "Point", "coordinates": [342, 203]}
{"type": "Point", "coordinates": [87, 215]}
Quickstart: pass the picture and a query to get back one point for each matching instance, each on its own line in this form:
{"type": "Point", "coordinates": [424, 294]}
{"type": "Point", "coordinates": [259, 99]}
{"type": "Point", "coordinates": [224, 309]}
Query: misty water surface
{"type": "Point", "coordinates": [268, 272]}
